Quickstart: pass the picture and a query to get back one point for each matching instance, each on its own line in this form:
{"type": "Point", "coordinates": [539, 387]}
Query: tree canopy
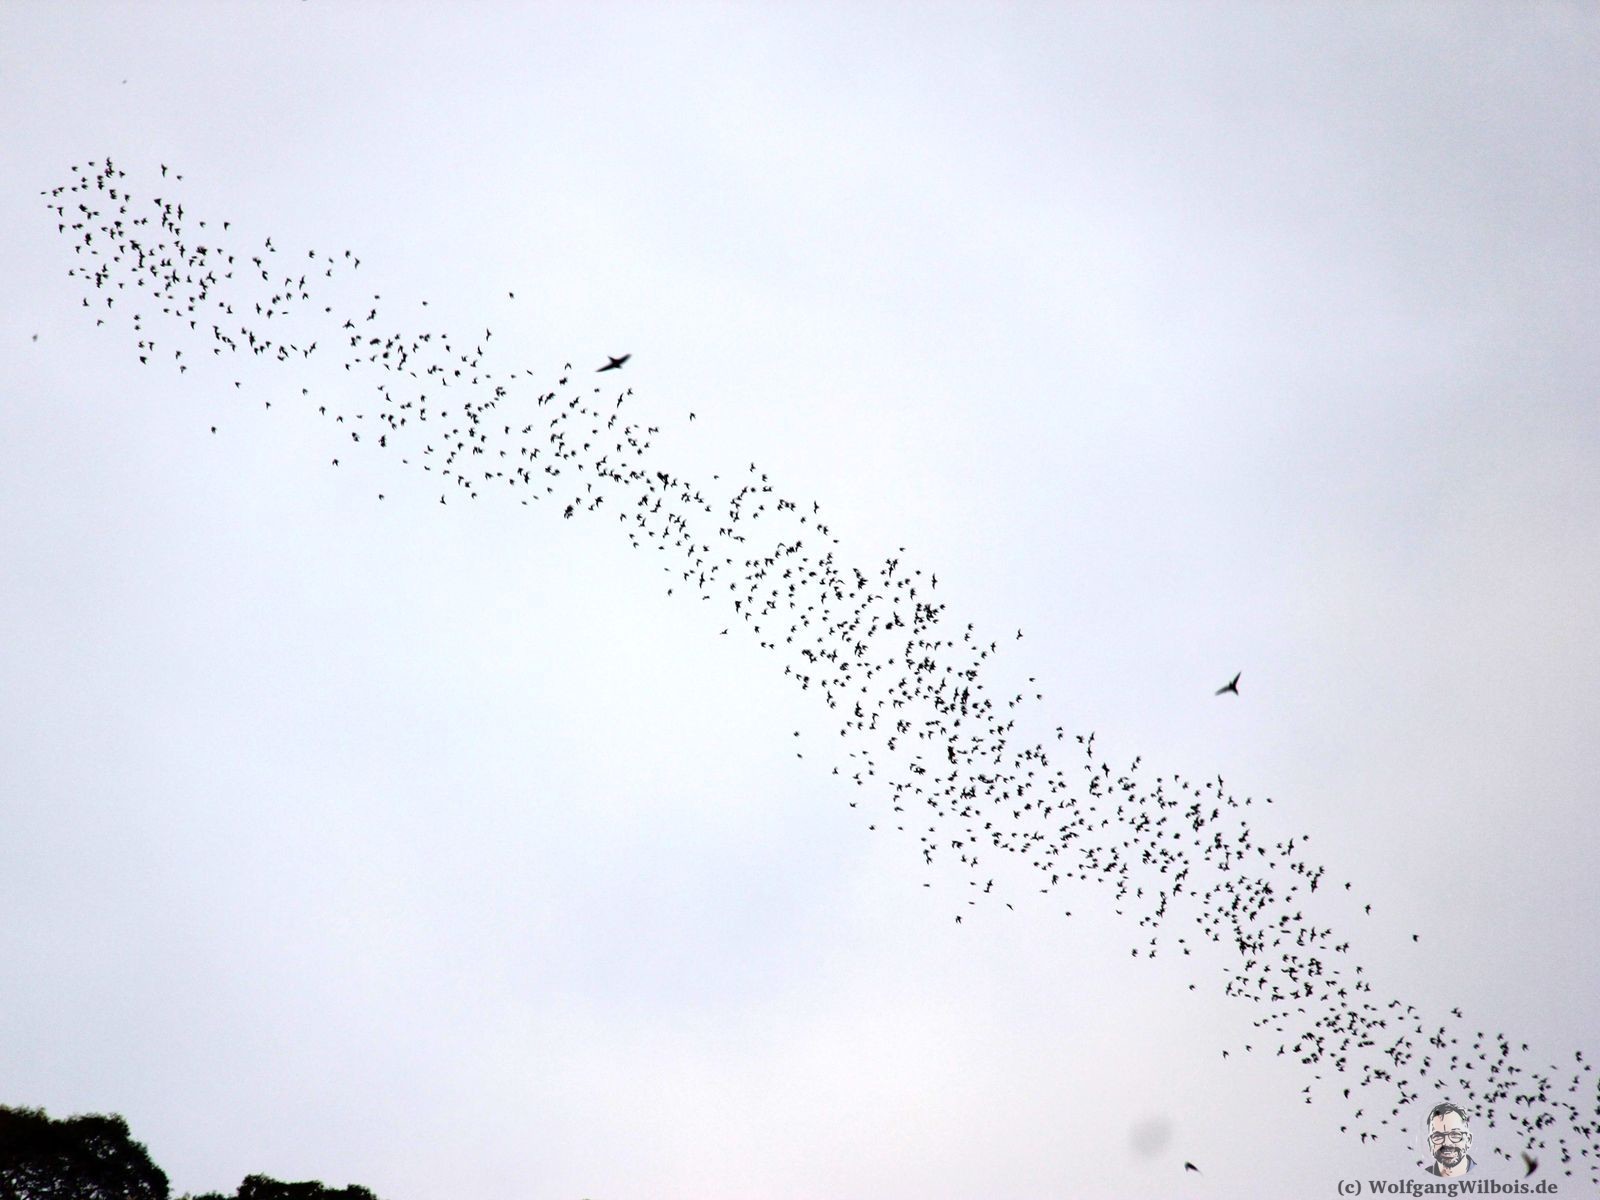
{"type": "Point", "coordinates": [87, 1157]}
{"type": "Point", "coordinates": [94, 1157]}
{"type": "Point", "coordinates": [260, 1187]}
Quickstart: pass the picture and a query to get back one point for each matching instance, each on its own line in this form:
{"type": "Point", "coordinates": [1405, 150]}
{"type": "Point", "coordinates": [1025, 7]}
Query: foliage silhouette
{"type": "Point", "coordinates": [87, 1157]}
{"type": "Point", "coordinates": [260, 1187]}
{"type": "Point", "coordinates": [93, 1157]}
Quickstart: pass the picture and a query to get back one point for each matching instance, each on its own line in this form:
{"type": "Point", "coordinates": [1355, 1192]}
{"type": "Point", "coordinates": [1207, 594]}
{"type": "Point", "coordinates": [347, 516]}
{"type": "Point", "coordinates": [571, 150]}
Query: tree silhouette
{"type": "Point", "coordinates": [87, 1157]}
{"type": "Point", "coordinates": [260, 1187]}
{"type": "Point", "coordinates": [93, 1157]}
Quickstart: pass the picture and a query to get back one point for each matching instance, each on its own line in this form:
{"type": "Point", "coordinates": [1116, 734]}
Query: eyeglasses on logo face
{"type": "Point", "coordinates": [1455, 1137]}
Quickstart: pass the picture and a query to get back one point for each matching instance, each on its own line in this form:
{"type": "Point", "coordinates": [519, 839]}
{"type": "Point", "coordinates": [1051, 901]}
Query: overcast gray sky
{"type": "Point", "coordinates": [438, 849]}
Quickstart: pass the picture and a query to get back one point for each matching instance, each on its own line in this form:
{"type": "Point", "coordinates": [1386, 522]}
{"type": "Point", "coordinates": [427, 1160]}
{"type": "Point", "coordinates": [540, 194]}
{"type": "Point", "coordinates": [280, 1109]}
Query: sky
{"type": "Point", "coordinates": [437, 848]}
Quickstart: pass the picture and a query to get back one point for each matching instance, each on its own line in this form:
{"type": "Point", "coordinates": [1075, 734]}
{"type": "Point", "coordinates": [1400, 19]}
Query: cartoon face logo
{"type": "Point", "coordinates": [1448, 1140]}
